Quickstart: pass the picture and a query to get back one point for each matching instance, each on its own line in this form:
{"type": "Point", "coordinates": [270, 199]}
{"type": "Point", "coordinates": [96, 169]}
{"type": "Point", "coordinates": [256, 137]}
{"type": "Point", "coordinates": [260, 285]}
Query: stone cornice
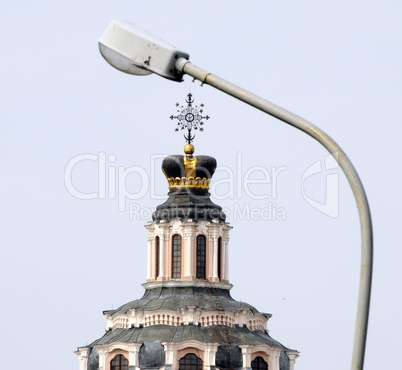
{"type": "Point", "coordinates": [191, 283]}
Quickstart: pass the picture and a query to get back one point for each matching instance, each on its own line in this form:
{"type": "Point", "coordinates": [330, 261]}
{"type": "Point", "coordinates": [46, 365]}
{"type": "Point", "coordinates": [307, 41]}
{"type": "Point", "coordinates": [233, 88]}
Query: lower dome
{"type": "Point", "coordinates": [208, 319]}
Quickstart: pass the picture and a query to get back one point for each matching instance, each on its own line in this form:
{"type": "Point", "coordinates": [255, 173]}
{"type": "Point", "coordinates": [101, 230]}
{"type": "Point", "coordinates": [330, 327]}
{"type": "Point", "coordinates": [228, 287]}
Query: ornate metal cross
{"type": "Point", "coordinates": [189, 117]}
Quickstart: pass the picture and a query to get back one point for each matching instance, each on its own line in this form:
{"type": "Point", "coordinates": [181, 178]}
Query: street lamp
{"type": "Point", "coordinates": [132, 50]}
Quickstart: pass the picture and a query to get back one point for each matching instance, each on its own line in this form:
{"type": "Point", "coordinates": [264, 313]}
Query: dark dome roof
{"type": "Point", "coordinates": [189, 198]}
{"type": "Point", "coordinates": [187, 204]}
{"type": "Point", "coordinates": [174, 298]}
{"type": "Point", "coordinates": [206, 334]}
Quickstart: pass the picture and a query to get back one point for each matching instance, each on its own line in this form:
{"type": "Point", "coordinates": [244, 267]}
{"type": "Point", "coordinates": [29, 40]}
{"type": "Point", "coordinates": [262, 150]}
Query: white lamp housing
{"type": "Point", "coordinates": [135, 51]}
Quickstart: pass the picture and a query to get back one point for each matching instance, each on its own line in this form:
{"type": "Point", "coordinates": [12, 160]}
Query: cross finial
{"type": "Point", "coordinates": [190, 117]}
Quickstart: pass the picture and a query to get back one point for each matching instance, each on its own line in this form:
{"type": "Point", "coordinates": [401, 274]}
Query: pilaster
{"type": "Point", "coordinates": [133, 355]}
{"type": "Point", "coordinates": [213, 240]}
{"type": "Point", "coordinates": [163, 254]}
{"type": "Point", "coordinates": [292, 355]}
{"type": "Point", "coordinates": [83, 353]}
{"type": "Point", "coordinates": [170, 355]}
{"type": "Point", "coordinates": [210, 354]}
{"type": "Point", "coordinates": [189, 252]}
{"type": "Point", "coordinates": [246, 351]}
{"type": "Point", "coordinates": [273, 359]}
{"type": "Point", "coordinates": [150, 272]}
{"type": "Point", "coordinates": [103, 359]}
{"type": "Point", "coordinates": [225, 259]}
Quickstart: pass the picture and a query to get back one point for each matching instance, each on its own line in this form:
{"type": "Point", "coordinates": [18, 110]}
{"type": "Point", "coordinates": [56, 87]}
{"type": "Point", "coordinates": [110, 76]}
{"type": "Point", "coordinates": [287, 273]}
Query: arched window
{"type": "Point", "coordinates": [176, 256]}
{"type": "Point", "coordinates": [259, 364]}
{"type": "Point", "coordinates": [201, 246]}
{"type": "Point", "coordinates": [219, 258]}
{"type": "Point", "coordinates": [119, 363]}
{"type": "Point", "coordinates": [157, 256]}
{"type": "Point", "coordinates": [190, 362]}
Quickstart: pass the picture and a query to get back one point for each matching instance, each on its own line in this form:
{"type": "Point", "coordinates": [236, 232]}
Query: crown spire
{"type": "Point", "coordinates": [190, 118]}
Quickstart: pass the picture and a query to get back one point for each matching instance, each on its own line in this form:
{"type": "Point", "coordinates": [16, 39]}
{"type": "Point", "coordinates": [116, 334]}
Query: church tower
{"type": "Point", "coordinates": [187, 319]}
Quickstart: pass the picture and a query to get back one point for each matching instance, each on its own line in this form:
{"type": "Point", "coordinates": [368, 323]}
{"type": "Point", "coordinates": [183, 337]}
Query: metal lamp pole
{"type": "Point", "coordinates": [135, 51]}
{"type": "Point", "coordinates": [184, 66]}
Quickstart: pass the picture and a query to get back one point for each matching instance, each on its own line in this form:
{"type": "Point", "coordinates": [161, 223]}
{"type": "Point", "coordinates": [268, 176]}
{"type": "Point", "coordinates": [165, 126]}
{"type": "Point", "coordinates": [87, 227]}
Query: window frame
{"type": "Point", "coordinates": [190, 357]}
{"type": "Point", "coordinates": [119, 366]}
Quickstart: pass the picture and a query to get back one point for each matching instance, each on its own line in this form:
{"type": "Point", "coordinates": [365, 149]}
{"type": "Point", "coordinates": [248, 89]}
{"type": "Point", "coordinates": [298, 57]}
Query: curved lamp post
{"type": "Point", "coordinates": [132, 50]}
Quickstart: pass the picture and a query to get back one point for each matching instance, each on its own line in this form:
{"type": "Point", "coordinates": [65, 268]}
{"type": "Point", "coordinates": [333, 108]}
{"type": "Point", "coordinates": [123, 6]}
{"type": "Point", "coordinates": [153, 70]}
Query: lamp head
{"type": "Point", "coordinates": [135, 51]}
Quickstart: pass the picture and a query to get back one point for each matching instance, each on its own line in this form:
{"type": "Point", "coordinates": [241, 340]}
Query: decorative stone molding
{"type": "Point", "coordinates": [220, 318]}
{"type": "Point", "coordinates": [187, 315]}
{"type": "Point", "coordinates": [180, 283]}
{"type": "Point", "coordinates": [164, 237]}
{"type": "Point", "coordinates": [136, 318]}
{"type": "Point", "coordinates": [158, 319]}
{"type": "Point", "coordinates": [120, 322]}
{"type": "Point", "coordinates": [190, 314]}
{"type": "Point", "coordinates": [202, 227]}
{"type": "Point", "coordinates": [258, 324]}
{"type": "Point", "coordinates": [188, 235]}
{"type": "Point", "coordinates": [176, 225]}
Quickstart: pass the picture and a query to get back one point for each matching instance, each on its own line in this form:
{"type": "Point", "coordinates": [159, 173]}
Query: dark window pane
{"type": "Point", "coordinates": [259, 364]}
{"type": "Point", "coordinates": [176, 256]}
{"type": "Point", "coordinates": [201, 246]}
{"type": "Point", "coordinates": [219, 257]}
{"type": "Point", "coordinates": [157, 255]}
{"type": "Point", "coordinates": [190, 362]}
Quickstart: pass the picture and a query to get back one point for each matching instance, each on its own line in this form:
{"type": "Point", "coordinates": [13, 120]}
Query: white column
{"type": "Point", "coordinates": [189, 256]}
{"type": "Point", "coordinates": [214, 267]}
{"type": "Point", "coordinates": [103, 357]}
{"type": "Point", "coordinates": [292, 355]}
{"type": "Point", "coordinates": [83, 357]}
{"type": "Point", "coordinates": [170, 354]}
{"type": "Point", "coordinates": [150, 274]}
{"type": "Point", "coordinates": [133, 355]}
{"type": "Point", "coordinates": [273, 360]}
{"type": "Point", "coordinates": [246, 354]}
{"type": "Point", "coordinates": [225, 268]}
{"type": "Point", "coordinates": [210, 354]}
{"type": "Point", "coordinates": [163, 256]}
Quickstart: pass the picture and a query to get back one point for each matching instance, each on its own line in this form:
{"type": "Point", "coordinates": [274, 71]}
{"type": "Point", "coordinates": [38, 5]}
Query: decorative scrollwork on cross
{"type": "Point", "coordinates": [190, 117]}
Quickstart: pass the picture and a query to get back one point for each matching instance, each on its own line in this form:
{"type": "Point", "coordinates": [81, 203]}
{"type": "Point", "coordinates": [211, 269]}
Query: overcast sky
{"type": "Point", "coordinates": [65, 260]}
